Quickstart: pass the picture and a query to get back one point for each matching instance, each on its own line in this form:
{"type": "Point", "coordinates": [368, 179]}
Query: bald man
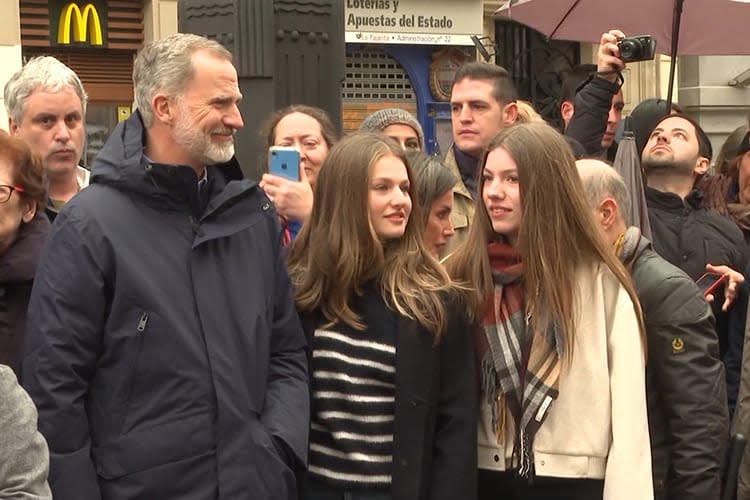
{"type": "Point", "coordinates": [685, 385]}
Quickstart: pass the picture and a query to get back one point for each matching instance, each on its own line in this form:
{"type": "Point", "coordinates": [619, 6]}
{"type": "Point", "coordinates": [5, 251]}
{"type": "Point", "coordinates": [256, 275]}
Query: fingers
{"type": "Point", "coordinates": [608, 56]}
{"type": "Point", "coordinates": [303, 173]}
{"type": "Point", "coordinates": [734, 280]}
{"type": "Point", "coordinates": [613, 35]}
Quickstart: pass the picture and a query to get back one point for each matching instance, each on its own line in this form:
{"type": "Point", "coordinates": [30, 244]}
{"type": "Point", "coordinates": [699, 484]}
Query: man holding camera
{"type": "Point", "coordinates": [596, 109]}
{"type": "Point", "coordinates": [572, 82]}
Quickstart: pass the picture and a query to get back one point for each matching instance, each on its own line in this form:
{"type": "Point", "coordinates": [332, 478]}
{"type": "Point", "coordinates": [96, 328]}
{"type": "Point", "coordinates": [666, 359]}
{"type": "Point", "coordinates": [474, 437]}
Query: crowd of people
{"type": "Point", "coordinates": [388, 326]}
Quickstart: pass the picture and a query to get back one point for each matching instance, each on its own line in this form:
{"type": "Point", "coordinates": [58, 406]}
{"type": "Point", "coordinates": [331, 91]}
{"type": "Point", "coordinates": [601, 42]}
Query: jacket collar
{"type": "Point", "coordinates": [672, 202]}
{"type": "Point", "coordinates": [122, 164]}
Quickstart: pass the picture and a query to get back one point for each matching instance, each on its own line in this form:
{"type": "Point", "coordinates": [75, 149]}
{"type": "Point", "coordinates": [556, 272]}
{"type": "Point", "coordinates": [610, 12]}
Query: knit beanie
{"type": "Point", "coordinates": [380, 119]}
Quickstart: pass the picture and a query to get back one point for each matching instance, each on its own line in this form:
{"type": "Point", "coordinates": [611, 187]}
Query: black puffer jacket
{"type": "Point", "coordinates": [688, 419]}
{"type": "Point", "coordinates": [17, 268]}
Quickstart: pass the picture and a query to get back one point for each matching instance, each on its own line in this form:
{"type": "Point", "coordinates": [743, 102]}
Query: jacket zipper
{"type": "Point", "coordinates": [142, 323]}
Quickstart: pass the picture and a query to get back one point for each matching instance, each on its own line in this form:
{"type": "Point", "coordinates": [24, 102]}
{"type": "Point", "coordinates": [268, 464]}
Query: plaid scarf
{"type": "Point", "coordinates": [520, 368]}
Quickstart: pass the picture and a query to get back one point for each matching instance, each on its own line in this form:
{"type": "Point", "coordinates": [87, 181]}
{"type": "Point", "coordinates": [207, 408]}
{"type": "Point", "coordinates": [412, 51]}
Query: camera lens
{"type": "Point", "coordinates": [629, 49]}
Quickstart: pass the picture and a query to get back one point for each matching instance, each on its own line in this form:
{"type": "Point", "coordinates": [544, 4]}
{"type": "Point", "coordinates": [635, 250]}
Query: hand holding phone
{"type": "Point", "coordinates": [709, 282]}
{"type": "Point", "coordinates": [284, 162]}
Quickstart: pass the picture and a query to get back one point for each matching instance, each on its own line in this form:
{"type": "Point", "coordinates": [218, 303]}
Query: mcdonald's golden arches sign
{"type": "Point", "coordinates": [78, 23]}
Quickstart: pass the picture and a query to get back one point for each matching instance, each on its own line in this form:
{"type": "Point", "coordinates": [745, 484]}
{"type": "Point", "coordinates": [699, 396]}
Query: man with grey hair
{"type": "Point", "coordinates": [685, 386]}
{"type": "Point", "coordinates": [163, 348]}
{"type": "Point", "coordinates": [46, 106]}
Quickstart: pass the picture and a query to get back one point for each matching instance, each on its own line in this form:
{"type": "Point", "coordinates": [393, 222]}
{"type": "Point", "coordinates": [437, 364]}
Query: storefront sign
{"type": "Point", "coordinates": [432, 22]}
{"type": "Point", "coordinates": [79, 23]}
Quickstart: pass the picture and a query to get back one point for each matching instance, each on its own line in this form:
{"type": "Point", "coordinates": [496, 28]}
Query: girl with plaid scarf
{"type": "Point", "coordinates": [559, 335]}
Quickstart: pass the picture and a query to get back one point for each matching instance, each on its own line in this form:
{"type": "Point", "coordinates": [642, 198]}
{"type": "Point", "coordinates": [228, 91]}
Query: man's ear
{"type": "Point", "coordinates": [566, 112]}
{"type": "Point", "coordinates": [12, 126]}
{"type": "Point", "coordinates": [163, 108]}
{"type": "Point", "coordinates": [510, 113]}
{"type": "Point", "coordinates": [701, 166]}
{"type": "Point", "coordinates": [608, 213]}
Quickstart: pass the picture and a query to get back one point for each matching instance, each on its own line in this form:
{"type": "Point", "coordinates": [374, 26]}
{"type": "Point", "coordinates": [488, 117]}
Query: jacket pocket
{"type": "Point", "coordinates": [155, 446]}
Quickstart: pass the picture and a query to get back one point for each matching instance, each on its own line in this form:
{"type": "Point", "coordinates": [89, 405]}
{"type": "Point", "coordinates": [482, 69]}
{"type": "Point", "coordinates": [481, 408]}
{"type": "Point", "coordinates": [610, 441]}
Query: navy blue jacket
{"type": "Point", "coordinates": [164, 352]}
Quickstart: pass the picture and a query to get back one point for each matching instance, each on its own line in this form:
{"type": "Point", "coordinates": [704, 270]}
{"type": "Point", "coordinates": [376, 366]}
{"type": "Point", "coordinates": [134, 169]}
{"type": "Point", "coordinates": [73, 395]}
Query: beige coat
{"type": "Point", "coordinates": [597, 428]}
{"type": "Point", "coordinates": [463, 208]}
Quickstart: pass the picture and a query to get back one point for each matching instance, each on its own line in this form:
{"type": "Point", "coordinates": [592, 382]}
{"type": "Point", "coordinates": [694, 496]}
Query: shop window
{"type": "Point", "coordinates": [101, 119]}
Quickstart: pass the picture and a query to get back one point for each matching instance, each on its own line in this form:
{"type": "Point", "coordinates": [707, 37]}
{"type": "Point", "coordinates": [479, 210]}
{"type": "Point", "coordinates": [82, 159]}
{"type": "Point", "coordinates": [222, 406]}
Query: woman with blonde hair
{"type": "Point", "coordinates": [527, 113]}
{"type": "Point", "coordinates": [560, 341]}
{"type": "Point", "coordinates": [392, 372]}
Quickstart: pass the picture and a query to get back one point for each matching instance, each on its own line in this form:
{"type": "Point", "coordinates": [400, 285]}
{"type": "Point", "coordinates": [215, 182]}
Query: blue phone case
{"type": "Point", "coordinates": [284, 162]}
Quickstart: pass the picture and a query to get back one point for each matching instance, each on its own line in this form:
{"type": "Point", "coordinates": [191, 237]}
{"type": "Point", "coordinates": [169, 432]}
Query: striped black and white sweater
{"type": "Point", "coordinates": [353, 379]}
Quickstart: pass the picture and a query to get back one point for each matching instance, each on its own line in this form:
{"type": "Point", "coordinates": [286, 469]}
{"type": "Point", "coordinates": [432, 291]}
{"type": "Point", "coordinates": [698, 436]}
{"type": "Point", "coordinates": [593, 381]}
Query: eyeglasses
{"type": "Point", "coordinates": [6, 191]}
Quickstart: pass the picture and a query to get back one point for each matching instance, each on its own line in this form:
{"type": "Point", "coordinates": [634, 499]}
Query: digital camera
{"type": "Point", "coordinates": [637, 48]}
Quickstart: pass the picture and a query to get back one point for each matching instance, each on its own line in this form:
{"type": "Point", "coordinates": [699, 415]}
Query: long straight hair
{"type": "Point", "coordinates": [338, 251]}
{"type": "Point", "coordinates": [557, 233]}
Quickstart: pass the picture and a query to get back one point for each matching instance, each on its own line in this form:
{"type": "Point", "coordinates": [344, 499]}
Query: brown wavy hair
{"type": "Point", "coordinates": [28, 171]}
{"type": "Point", "coordinates": [337, 250]}
{"type": "Point", "coordinates": [557, 233]}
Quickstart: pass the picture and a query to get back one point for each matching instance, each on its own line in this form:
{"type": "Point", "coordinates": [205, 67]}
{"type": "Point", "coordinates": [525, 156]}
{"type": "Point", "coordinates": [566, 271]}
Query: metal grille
{"type": "Point", "coordinates": [372, 75]}
{"type": "Point", "coordinates": [537, 65]}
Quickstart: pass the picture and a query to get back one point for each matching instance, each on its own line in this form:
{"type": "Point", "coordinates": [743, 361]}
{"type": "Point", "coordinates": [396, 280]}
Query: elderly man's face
{"type": "Point", "coordinates": [52, 124]}
{"type": "Point", "coordinates": [208, 113]}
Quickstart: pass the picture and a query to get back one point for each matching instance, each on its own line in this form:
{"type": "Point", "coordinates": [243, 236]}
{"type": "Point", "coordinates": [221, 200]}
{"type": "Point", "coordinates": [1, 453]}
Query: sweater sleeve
{"type": "Point", "coordinates": [455, 447]}
{"type": "Point", "coordinates": [24, 460]}
{"type": "Point", "coordinates": [628, 471]}
{"type": "Point", "coordinates": [689, 382]}
{"type": "Point", "coordinates": [65, 321]}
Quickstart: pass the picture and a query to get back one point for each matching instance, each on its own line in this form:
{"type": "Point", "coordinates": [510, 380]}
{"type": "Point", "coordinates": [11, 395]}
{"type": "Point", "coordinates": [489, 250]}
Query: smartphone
{"type": "Point", "coordinates": [284, 162]}
{"type": "Point", "coordinates": [709, 282]}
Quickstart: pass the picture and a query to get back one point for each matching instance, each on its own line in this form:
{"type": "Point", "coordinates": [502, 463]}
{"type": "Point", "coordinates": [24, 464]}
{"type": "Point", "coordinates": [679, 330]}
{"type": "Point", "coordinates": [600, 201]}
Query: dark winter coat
{"type": "Point", "coordinates": [687, 409]}
{"type": "Point", "coordinates": [17, 268]}
{"type": "Point", "coordinates": [690, 236]}
{"type": "Point", "coordinates": [163, 351]}
{"type": "Point", "coordinates": [436, 412]}
{"type": "Point", "coordinates": [589, 122]}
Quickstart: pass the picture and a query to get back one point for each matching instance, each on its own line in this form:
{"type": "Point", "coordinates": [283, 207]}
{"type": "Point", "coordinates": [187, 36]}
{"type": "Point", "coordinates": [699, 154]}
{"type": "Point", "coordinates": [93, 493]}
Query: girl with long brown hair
{"type": "Point", "coordinates": [392, 370]}
{"type": "Point", "coordinates": [559, 336]}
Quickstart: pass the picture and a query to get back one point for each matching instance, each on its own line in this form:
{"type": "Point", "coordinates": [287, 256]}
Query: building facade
{"type": "Point", "coordinates": [404, 54]}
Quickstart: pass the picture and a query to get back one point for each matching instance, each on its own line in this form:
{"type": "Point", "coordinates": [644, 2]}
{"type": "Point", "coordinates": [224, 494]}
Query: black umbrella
{"type": "Point", "coordinates": [628, 165]}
